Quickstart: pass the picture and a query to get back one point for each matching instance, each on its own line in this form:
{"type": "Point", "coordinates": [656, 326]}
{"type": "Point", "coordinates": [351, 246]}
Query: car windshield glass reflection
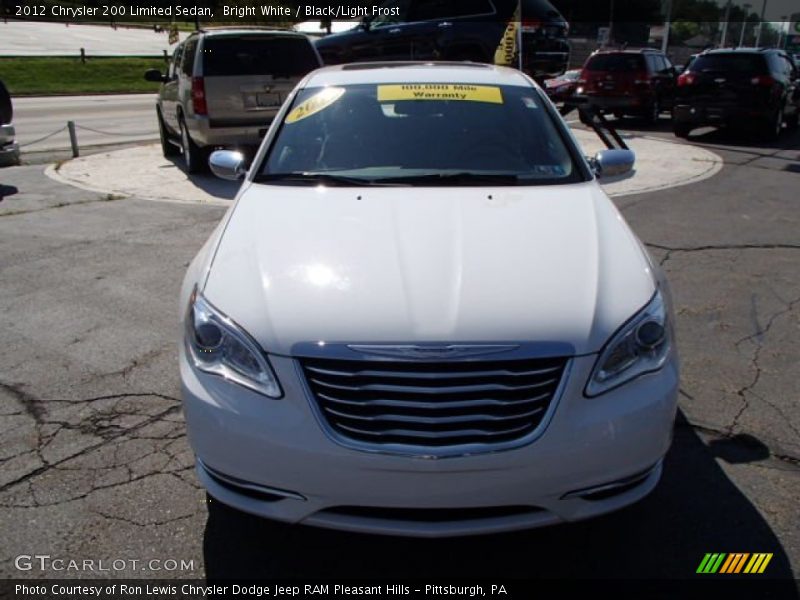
{"type": "Point", "coordinates": [419, 134]}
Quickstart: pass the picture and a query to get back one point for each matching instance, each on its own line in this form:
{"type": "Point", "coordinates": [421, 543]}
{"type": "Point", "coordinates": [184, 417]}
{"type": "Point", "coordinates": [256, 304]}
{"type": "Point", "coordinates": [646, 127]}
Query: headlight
{"type": "Point", "coordinates": [640, 346]}
{"type": "Point", "coordinates": [218, 346]}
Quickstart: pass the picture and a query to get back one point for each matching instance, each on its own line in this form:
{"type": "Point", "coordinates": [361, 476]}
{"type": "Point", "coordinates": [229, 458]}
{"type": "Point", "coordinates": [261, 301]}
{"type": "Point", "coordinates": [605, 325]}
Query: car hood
{"type": "Point", "coordinates": [549, 264]}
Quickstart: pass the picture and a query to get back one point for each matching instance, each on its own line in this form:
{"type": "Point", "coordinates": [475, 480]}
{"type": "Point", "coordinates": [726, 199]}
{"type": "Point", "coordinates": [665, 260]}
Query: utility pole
{"type": "Point", "coordinates": [761, 24]}
{"type": "Point", "coordinates": [725, 20]}
{"type": "Point", "coordinates": [667, 24]}
{"type": "Point", "coordinates": [611, 22]}
{"type": "Point", "coordinates": [746, 8]}
{"type": "Point", "coordinates": [780, 31]}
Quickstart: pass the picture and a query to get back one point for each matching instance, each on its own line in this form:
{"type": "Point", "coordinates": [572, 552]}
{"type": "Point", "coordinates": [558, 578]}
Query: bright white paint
{"type": "Point", "coordinates": [547, 264]}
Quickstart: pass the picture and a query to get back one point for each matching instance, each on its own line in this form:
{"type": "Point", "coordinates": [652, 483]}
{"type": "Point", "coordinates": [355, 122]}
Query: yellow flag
{"type": "Point", "coordinates": [507, 49]}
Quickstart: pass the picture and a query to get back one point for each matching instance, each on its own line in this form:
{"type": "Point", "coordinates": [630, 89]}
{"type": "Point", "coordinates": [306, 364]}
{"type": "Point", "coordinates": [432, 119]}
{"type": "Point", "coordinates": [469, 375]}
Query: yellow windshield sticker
{"type": "Point", "coordinates": [319, 101]}
{"type": "Point", "coordinates": [440, 91]}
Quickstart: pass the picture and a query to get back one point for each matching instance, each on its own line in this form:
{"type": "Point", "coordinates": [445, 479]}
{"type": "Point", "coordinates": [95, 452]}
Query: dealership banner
{"type": "Point", "coordinates": [253, 11]}
{"type": "Point", "coordinates": [498, 588]}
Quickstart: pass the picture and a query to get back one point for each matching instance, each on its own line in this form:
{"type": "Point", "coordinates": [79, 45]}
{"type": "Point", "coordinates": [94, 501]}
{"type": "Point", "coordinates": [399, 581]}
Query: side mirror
{"type": "Point", "coordinates": [227, 164]}
{"type": "Point", "coordinates": [365, 24]}
{"type": "Point", "coordinates": [155, 76]}
{"type": "Point", "coordinates": [608, 163]}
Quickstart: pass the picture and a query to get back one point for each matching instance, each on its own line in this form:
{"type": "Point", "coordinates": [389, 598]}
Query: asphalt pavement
{"type": "Point", "coordinates": [95, 462]}
{"type": "Point", "coordinates": [111, 119]}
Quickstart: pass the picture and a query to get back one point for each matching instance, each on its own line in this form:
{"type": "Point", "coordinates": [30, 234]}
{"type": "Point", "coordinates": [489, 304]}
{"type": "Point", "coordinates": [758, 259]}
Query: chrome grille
{"type": "Point", "coordinates": [436, 404]}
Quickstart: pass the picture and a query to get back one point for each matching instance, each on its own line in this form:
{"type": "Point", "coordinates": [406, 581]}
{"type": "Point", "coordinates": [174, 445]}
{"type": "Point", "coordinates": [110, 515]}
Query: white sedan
{"type": "Point", "coordinates": [423, 316]}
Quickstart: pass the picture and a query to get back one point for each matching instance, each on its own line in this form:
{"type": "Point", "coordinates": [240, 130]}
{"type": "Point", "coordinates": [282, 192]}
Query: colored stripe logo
{"type": "Point", "coordinates": [737, 562]}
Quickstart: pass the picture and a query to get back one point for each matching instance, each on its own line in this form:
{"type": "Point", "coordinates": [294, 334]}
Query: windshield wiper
{"type": "Point", "coordinates": [461, 178]}
{"type": "Point", "coordinates": [321, 178]}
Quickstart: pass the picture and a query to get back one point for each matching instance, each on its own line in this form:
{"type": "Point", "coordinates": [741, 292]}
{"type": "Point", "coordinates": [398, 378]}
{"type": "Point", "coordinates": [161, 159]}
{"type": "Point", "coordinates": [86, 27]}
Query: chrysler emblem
{"type": "Point", "coordinates": [433, 352]}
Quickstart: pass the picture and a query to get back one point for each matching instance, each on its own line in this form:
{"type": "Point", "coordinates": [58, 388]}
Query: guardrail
{"type": "Point", "coordinates": [71, 128]}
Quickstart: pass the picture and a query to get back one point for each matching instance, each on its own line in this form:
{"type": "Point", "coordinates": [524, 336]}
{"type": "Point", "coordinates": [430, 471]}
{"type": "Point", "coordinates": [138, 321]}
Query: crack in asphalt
{"type": "Point", "coordinates": [688, 249]}
{"type": "Point", "coordinates": [728, 434]}
{"type": "Point", "coordinates": [106, 198]}
{"type": "Point", "coordinates": [99, 424]}
{"type": "Point", "coordinates": [140, 361]}
{"type": "Point", "coordinates": [137, 523]}
{"type": "Point", "coordinates": [30, 404]}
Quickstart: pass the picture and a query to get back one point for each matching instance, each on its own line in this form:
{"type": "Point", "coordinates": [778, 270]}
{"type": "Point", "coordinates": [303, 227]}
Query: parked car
{"type": "Point", "coordinates": [561, 89]}
{"type": "Point", "coordinates": [9, 149]}
{"type": "Point", "coordinates": [747, 87]}
{"type": "Point", "coordinates": [224, 86]}
{"type": "Point", "coordinates": [628, 82]}
{"type": "Point", "coordinates": [423, 315]}
{"type": "Point", "coordinates": [472, 30]}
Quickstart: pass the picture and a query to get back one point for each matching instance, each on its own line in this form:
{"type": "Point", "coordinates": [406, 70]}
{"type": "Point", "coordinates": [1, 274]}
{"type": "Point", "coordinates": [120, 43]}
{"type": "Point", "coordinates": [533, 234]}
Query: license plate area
{"type": "Point", "coordinates": [262, 100]}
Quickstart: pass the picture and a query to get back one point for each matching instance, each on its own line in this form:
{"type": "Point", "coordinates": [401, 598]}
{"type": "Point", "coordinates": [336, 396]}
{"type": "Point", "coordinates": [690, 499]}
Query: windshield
{"type": "Point", "coordinates": [423, 134]}
{"type": "Point", "coordinates": [747, 64]}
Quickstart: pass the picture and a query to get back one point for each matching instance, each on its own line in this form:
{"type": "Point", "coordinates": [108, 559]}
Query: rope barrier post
{"type": "Point", "coordinates": [83, 56]}
{"type": "Point", "coordinates": [73, 139]}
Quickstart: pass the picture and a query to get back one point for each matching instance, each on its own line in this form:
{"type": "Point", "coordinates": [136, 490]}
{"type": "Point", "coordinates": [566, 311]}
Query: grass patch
{"type": "Point", "coordinates": [65, 75]}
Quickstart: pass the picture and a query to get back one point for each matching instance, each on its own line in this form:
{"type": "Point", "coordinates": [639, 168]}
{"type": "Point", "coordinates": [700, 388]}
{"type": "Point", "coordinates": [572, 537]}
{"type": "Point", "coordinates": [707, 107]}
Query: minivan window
{"type": "Point", "coordinates": [281, 56]}
{"type": "Point", "coordinates": [616, 62]}
{"type": "Point", "coordinates": [421, 134]}
{"type": "Point", "coordinates": [731, 62]}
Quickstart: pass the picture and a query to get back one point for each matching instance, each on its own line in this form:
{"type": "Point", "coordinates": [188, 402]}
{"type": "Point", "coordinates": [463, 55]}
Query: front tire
{"type": "Point", "coordinates": [194, 157]}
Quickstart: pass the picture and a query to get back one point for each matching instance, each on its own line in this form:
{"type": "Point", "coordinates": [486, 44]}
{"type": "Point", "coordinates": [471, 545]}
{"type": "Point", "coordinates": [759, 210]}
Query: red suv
{"type": "Point", "coordinates": [628, 82]}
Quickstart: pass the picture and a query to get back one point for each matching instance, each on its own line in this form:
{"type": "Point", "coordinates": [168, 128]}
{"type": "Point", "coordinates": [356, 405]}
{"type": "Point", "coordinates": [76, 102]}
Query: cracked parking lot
{"type": "Point", "coordinates": [95, 461]}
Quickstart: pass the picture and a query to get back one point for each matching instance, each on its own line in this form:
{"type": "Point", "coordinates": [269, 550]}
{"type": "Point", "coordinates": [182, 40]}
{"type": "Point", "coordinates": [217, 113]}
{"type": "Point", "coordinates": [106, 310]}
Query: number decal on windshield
{"type": "Point", "coordinates": [319, 101]}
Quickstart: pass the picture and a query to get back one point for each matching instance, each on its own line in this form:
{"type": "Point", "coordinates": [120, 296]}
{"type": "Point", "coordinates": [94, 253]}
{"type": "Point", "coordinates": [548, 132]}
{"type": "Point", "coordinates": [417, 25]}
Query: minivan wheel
{"type": "Point", "coordinates": [168, 149]}
{"type": "Point", "coordinates": [193, 155]}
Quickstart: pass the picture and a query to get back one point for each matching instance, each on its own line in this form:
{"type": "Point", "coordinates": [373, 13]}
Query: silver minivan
{"type": "Point", "coordinates": [224, 86]}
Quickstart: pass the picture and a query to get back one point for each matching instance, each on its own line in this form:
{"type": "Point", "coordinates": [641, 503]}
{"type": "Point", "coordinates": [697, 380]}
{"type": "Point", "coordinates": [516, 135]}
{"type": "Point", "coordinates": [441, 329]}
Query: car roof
{"type": "Point", "coordinates": [627, 51]}
{"type": "Point", "coordinates": [244, 30]}
{"type": "Point", "coordinates": [417, 72]}
{"type": "Point", "coordinates": [759, 51]}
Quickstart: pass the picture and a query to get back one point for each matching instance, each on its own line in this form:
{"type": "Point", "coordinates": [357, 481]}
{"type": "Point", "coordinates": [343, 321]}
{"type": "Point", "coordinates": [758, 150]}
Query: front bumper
{"type": "Point", "coordinates": [612, 103]}
{"type": "Point", "coordinates": [709, 114]}
{"type": "Point", "coordinates": [272, 458]}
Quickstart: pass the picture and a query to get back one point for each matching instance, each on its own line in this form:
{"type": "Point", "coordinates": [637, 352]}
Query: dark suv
{"type": "Point", "coordinates": [628, 82]}
{"type": "Point", "coordinates": [745, 86]}
{"type": "Point", "coordinates": [475, 30]}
